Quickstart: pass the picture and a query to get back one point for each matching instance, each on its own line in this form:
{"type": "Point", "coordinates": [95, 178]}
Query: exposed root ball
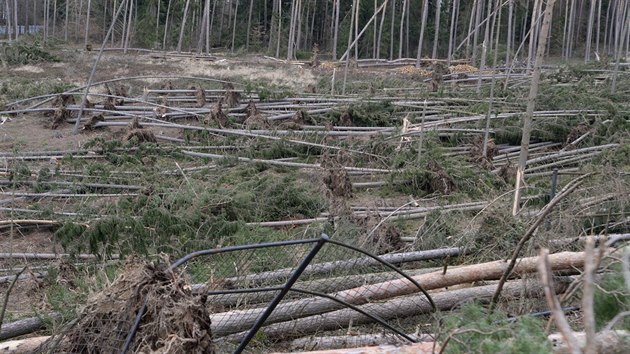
{"type": "Point", "coordinates": [216, 116]}
{"type": "Point", "coordinates": [231, 98]}
{"type": "Point", "coordinates": [200, 96]}
{"type": "Point", "coordinates": [336, 177]}
{"type": "Point", "coordinates": [346, 119]}
{"type": "Point", "coordinates": [508, 172]}
{"type": "Point", "coordinates": [59, 117]}
{"type": "Point", "coordinates": [175, 321]}
{"type": "Point", "coordinates": [109, 104]}
{"type": "Point", "coordinates": [121, 91]}
{"type": "Point", "coordinates": [296, 122]}
{"type": "Point", "coordinates": [251, 109]}
{"type": "Point", "coordinates": [477, 156]}
{"type": "Point", "coordinates": [161, 111]}
{"type": "Point", "coordinates": [387, 239]}
{"type": "Point", "coordinates": [135, 124]}
{"type": "Point", "coordinates": [90, 125]}
{"type": "Point", "coordinates": [575, 133]}
{"type": "Point", "coordinates": [63, 100]}
{"type": "Point", "coordinates": [141, 135]}
{"type": "Point", "coordinates": [257, 121]}
{"type": "Point", "coordinates": [439, 180]}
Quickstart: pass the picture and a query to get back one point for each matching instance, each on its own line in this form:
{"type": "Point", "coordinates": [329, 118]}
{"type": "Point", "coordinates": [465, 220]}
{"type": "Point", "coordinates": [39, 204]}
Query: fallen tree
{"type": "Point", "coordinates": [392, 309]}
{"type": "Point", "coordinates": [226, 323]}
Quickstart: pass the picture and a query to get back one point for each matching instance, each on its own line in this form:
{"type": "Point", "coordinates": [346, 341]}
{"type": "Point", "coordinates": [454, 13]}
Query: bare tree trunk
{"type": "Point", "coordinates": [438, 8]}
{"type": "Point", "coordinates": [336, 8]}
{"type": "Point", "coordinates": [374, 34]}
{"type": "Point", "coordinates": [124, 27]}
{"type": "Point", "coordinates": [478, 12]}
{"type": "Point", "coordinates": [508, 49]}
{"type": "Point", "coordinates": [589, 32]}
{"type": "Point", "coordinates": [279, 28]}
{"type": "Point", "coordinates": [531, 104]}
{"type": "Point", "coordinates": [564, 31]}
{"type": "Point", "coordinates": [249, 23]}
{"type": "Point", "coordinates": [204, 28]}
{"type": "Point", "coordinates": [9, 24]}
{"type": "Point", "coordinates": [168, 15]}
{"type": "Point", "coordinates": [234, 25]}
{"type": "Point", "coordinates": [486, 41]}
{"type": "Point", "coordinates": [621, 36]}
{"type": "Point", "coordinates": [597, 32]}
{"type": "Point", "coordinates": [425, 15]}
{"type": "Point", "coordinates": [54, 25]}
{"type": "Point", "coordinates": [87, 22]}
{"type": "Point", "coordinates": [182, 29]}
{"type": "Point", "coordinates": [272, 29]}
{"type": "Point", "coordinates": [356, 29]}
{"type": "Point", "coordinates": [533, 34]}
{"type": "Point", "coordinates": [129, 22]}
{"type": "Point", "coordinates": [402, 26]}
{"type": "Point", "coordinates": [67, 15]}
{"type": "Point", "coordinates": [451, 34]}
{"type": "Point", "coordinates": [380, 32]}
{"type": "Point", "coordinates": [391, 32]}
{"type": "Point", "coordinates": [292, 19]}
{"type": "Point", "coordinates": [157, 23]}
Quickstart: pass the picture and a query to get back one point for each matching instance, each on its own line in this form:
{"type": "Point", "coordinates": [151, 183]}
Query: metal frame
{"type": "Point", "coordinates": [318, 243]}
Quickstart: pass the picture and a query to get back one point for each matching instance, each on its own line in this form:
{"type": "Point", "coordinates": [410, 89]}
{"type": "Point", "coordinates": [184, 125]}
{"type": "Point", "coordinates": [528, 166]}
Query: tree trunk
{"type": "Point", "coordinates": [380, 32]}
{"type": "Point", "coordinates": [168, 14]}
{"type": "Point", "coordinates": [234, 25]}
{"type": "Point", "coordinates": [279, 28]}
{"type": "Point", "coordinates": [129, 22]}
{"type": "Point", "coordinates": [87, 23]}
{"type": "Point", "coordinates": [508, 49]}
{"type": "Point", "coordinates": [356, 30]}
{"type": "Point", "coordinates": [391, 32]}
{"type": "Point", "coordinates": [249, 23]}
{"type": "Point", "coordinates": [336, 8]}
{"type": "Point", "coordinates": [589, 32]}
{"type": "Point", "coordinates": [374, 35]}
{"type": "Point", "coordinates": [597, 32]}
{"type": "Point", "coordinates": [452, 31]}
{"type": "Point", "coordinates": [532, 34]}
{"type": "Point", "coordinates": [395, 308]}
{"type": "Point", "coordinates": [402, 26]}
{"type": "Point", "coordinates": [478, 12]}
{"type": "Point", "coordinates": [531, 104]}
{"type": "Point", "coordinates": [423, 21]}
{"type": "Point", "coordinates": [389, 289]}
{"type": "Point", "coordinates": [436, 37]}
{"type": "Point", "coordinates": [204, 28]}
{"type": "Point", "coordinates": [25, 326]}
{"type": "Point", "coordinates": [183, 28]}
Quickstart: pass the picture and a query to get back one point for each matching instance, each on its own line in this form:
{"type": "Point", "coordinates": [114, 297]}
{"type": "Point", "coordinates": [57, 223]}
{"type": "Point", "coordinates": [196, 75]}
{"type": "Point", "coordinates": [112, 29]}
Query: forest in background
{"type": "Point", "coordinates": [387, 29]}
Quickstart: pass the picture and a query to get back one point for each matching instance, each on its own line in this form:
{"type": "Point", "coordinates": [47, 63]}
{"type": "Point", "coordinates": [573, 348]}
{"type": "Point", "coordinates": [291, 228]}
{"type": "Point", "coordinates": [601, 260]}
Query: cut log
{"type": "Point", "coordinates": [239, 320]}
{"type": "Point", "coordinates": [25, 326]}
{"type": "Point", "coordinates": [416, 348]}
{"type": "Point", "coordinates": [281, 275]}
{"type": "Point", "coordinates": [22, 346]}
{"type": "Point", "coordinates": [606, 342]}
{"type": "Point", "coordinates": [393, 309]}
{"type": "Point", "coordinates": [348, 341]}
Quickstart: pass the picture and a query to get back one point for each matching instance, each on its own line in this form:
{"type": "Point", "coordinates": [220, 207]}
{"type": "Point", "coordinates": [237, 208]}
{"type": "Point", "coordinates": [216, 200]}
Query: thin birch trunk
{"type": "Point", "coordinates": [374, 34]}
{"type": "Point", "coordinates": [87, 23]}
{"type": "Point", "coordinates": [336, 29]}
{"type": "Point", "coordinates": [129, 21]}
{"type": "Point", "coordinates": [249, 23]}
{"type": "Point", "coordinates": [380, 32]}
{"type": "Point", "coordinates": [589, 32]}
{"type": "Point", "coordinates": [436, 37]}
{"type": "Point", "coordinates": [279, 28]}
{"type": "Point", "coordinates": [402, 26]}
{"type": "Point", "coordinates": [531, 104]}
{"type": "Point", "coordinates": [508, 49]}
{"type": "Point", "coordinates": [391, 32]}
{"type": "Point", "coordinates": [423, 22]}
{"type": "Point", "coordinates": [168, 15]}
{"type": "Point", "coordinates": [356, 29]}
{"type": "Point", "coordinates": [183, 28]}
{"type": "Point", "coordinates": [451, 34]}
{"type": "Point", "coordinates": [234, 25]}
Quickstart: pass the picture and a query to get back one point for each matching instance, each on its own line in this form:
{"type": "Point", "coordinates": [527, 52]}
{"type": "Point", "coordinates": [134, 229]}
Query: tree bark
{"type": "Point", "coordinates": [168, 14]}
{"type": "Point", "coordinates": [249, 23]}
{"type": "Point", "coordinates": [438, 8]}
{"type": "Point", "coordinates": [589, 32]}
{"type": "Point", "coordinates": [25, 326]}
{"type": "Point", "coordinates": [183, 28]}
{"type": "Point", "coordinates": [531, 104]}
{"type": "Point", "coordinates": [234, 25]}
{"type": "Point", "coordinates": [239, 320]}
{"type": "Point", "coordinates": [402, 27]}
{"type": "Point", "coordinates": [29, 345]}
{"type": "Point", "coordinates": [423, 21]}
{"type": "Point", "coordinates": [396, 308]}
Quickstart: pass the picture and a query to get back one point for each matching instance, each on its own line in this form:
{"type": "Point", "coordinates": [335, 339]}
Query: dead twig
{"type": "Point", "coordinates": [544, 270]}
